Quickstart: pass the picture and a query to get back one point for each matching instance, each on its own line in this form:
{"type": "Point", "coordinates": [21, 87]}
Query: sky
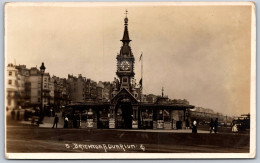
{"type": "Point", "coordinates": [198, 53]}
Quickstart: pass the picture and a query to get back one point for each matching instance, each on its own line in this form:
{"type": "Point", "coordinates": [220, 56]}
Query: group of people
{"type": "Point", "coordinates": [56, 121]}
{"type": "Point", "coordinates": [213, 125]}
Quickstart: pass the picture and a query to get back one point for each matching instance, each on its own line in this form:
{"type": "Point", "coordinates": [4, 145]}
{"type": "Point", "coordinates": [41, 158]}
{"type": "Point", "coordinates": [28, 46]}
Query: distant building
{"type": "Point", "coordinates": [151, 98]}
{"type": "Point", "coordinates": [22, 78]}
{"type": "Point", "coordinates": [11, 87]}
{"type": "Point", "coordinates": [100, 91]}
{"type": "Point", "coordinates": [34, 83]}
{"type": "Point", "coordinates": [107, 91]}
{"type": "Point", "coordinates": [61, 91]}
{"type": "Point", "coordinates": [77, 88]}
{"type": "Point", "coordinates": [205, 114]}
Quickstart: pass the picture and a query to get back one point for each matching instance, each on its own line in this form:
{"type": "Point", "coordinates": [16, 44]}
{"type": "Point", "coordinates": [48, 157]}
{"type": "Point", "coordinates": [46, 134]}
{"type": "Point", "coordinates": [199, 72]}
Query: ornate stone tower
{"type": "Point", "coordinates": [125, 63]}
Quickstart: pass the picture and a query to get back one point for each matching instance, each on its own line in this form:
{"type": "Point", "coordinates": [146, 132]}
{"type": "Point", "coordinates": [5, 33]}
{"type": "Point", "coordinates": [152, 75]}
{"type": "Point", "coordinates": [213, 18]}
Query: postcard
{"type": "Point", "coordinates": [130, 80]}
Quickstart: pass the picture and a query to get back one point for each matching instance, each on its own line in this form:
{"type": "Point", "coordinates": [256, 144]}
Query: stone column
{"type": "Point", "coordinates": [112, 118]}
{"type": "Point", "coordinates": [184, 119]}
{"type": "Point", "coordinates": [135, 117]}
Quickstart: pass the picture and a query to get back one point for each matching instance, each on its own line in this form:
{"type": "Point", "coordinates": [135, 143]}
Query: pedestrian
{"type": "Point", "coordinates": [13, 114]}
{"type": "Point", "coordinates": [235, 128]}
{"type": "Point", "coordinates": [211, 125]}
{"type": "Point", "coordinates": [216, 125]}
{"type": "Point", "coordinates": [66, 122]}
{"type": "Point", "coordinates": [194, 126]}
{"type": "Point", "coordinates": [56, 120]}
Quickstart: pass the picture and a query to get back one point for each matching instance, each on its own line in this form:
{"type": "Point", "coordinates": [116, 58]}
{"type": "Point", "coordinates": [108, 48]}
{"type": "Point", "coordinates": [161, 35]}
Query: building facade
{"type": "Point", "coordinates": [61, 92]}
{"type": "Point", "coordinates": [77, 88]}
{"type": "Point", "coordinates": [24, 85]}
{"type": "Point", "coordinates": [11, 87]}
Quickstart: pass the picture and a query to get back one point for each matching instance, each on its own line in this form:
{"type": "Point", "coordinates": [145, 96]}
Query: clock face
{"type": "Point", "coordinates": [125, 65]}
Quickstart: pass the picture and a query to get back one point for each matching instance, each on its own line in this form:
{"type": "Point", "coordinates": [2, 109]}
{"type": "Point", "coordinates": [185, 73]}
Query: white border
{"type": "Point", "coordinates": [252, 153]}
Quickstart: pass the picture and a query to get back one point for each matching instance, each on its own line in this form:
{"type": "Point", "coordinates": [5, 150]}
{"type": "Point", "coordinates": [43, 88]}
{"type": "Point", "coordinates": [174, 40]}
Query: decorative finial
{"type": "Point", "coordinates": [126, 19]}
{"type": "Point", "coordinates": [126, 13]}
{"type": "Point", "coordinates": [162, 91]}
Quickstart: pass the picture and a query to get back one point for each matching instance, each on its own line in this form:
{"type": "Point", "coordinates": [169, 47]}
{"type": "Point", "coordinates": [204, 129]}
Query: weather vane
{"type": "Point", "coordinates": [126, 12]}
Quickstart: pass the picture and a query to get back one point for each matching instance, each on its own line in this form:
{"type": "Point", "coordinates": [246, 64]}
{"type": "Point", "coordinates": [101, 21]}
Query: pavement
{"type": "Point", "coordinates": [33, 139]}
{"type": "Point", "coordinates": [163, 130]}
{"type": "Point", "coordinates": [22, 137]}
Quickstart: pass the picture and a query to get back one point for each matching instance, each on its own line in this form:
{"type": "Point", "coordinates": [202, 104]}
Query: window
{"type": "Point", "coordinates": [10, 82]}
{"type": "Point", "coordinates": [124, 80]}
{"type": "Point", "coordinates": [45, 85]}
{"type": "Point", "coordinates": [39, 100]}
{"type": "Point", "coordinates": [10, 73]}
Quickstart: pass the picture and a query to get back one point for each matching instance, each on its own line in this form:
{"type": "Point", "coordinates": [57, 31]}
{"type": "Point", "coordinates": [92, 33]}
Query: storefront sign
{"type": "Point", "coordinates": [112, 123]}
{"type": "Point", "coordinates": [134, 124]}
{"type": "Point", "coordinates": [160, 124]}
{"type": "Point", "coordinates": [90, 123]}
{"type": "Point", "coordinates": [167, 125]}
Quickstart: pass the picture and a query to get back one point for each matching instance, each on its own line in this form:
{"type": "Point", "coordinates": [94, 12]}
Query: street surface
{"type": "Point", "coordinates": [33, 139]}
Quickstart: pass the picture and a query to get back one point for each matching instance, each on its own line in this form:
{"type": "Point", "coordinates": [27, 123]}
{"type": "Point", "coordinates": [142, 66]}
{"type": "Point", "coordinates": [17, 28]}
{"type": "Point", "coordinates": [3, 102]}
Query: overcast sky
{"type": "Point", "coordinates": [201, 54]}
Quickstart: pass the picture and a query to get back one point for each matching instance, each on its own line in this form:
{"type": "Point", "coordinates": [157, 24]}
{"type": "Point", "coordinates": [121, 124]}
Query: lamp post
{"type": "Point", "coordinates": [42, 68]}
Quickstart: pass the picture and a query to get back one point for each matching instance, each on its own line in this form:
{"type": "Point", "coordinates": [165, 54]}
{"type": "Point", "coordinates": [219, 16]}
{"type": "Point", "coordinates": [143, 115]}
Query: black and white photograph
{"type": "Point", "coordinates": [130, 80]}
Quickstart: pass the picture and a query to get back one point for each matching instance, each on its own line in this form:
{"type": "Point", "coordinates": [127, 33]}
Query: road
{"type": "Point", "coordinates": [32, 139]}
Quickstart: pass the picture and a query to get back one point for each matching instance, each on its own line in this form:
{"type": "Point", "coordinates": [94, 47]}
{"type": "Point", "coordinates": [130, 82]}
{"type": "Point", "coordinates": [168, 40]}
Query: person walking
{"type": "Point", "coordinates": [56, 120]}
{"type": "Point", "coordinates": [66, 122]}
{"type": "Point", "coordinates": [194, 126]}
{"type": "Point", "coordinates": [234, 128]}
{"type": "Point", "coordinates": [216, 125]}
{"type": "Point", "coordinates": [211, 125]}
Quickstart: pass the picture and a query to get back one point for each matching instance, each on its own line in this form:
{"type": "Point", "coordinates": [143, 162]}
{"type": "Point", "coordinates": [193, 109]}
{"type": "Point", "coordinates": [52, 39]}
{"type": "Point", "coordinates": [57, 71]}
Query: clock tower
{"type": "Point", "coordinates": [125, 62]}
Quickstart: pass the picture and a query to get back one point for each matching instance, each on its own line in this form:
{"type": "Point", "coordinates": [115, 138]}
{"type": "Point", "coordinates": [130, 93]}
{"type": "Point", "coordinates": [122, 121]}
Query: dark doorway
{"type": "Point", "coordinates": [102, 117]}
{"type": "Point", "coordinates": [124, 115]}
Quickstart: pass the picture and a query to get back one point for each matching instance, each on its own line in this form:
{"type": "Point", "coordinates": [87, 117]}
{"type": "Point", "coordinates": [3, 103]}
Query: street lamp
{"type": "Point", "coordinates": [42, 68]}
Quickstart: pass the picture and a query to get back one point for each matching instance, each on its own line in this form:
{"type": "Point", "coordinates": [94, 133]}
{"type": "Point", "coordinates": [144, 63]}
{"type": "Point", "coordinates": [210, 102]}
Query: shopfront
{"type": "Point", "coordinates": [127, 114]}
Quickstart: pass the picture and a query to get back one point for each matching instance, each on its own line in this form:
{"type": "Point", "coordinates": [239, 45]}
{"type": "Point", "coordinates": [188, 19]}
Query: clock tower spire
{"type": "Point", "coordinates": [126, 39]}
{"type": "Point", "coordinates": [125, 61]}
